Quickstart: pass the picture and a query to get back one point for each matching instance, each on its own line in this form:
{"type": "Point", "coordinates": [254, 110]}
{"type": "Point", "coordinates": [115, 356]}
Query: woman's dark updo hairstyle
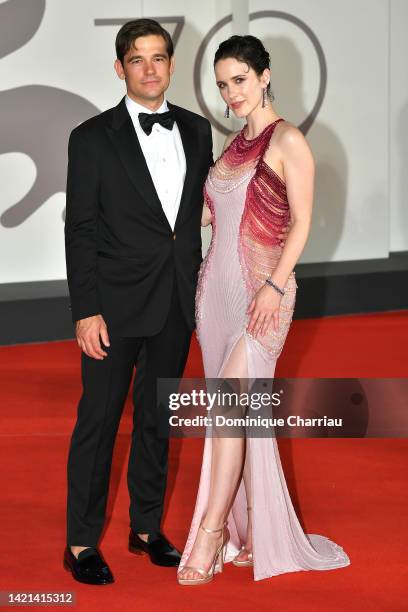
{"type": "Point", "coordinates": [247, 49]}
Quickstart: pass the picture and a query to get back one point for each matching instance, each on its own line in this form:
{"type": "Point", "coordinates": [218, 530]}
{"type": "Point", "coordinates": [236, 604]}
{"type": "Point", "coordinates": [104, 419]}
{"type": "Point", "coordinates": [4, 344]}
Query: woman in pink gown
{"type": "Point", "coordinates": [245, 301]}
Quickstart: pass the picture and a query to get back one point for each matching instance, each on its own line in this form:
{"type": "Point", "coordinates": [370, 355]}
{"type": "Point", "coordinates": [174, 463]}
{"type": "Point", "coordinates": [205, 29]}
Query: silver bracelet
{"type": "Point", "coordinates": [272, 284]}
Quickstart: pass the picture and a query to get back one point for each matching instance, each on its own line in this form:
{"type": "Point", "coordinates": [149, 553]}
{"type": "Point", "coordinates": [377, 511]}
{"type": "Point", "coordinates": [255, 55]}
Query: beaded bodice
{"type": "Point", "coordinates": [266, 209]}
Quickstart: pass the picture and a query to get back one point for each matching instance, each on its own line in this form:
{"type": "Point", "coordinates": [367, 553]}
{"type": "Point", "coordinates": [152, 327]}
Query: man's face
{"type": "Point", "coordinates": [146, 69]}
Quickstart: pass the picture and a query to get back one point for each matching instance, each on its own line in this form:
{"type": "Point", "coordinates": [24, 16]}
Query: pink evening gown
{"type": "Point", "coordinates": [249, 208]}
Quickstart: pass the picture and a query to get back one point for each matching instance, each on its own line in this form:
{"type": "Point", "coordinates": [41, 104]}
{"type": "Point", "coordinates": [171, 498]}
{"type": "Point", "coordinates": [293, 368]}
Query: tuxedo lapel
{"type": "Point", "coordinates": [189, 140]}
{"type": "Point", "coordinates": [123, 137]}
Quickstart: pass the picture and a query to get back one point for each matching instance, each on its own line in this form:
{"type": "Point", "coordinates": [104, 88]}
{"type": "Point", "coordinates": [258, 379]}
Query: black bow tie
{"type": "Point", "coordinates": [147, 120]}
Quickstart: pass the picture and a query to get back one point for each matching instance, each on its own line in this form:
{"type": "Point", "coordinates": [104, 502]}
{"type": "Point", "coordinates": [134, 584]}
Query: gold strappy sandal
{"type": "Point", "coordinates": [218, 559]}
{"type": "Point", "coordinates": [249, 561]}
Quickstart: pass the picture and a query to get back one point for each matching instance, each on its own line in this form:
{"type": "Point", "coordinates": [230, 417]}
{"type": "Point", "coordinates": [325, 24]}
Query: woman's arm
{"type": "Point", "coordinates": [298, 168]}
{"type": "Point", "coordinates": [206, 214]}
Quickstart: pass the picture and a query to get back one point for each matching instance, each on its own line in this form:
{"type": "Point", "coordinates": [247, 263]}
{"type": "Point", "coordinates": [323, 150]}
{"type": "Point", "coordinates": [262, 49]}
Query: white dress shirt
{"type": "Point", "coordinates": [164, 154]}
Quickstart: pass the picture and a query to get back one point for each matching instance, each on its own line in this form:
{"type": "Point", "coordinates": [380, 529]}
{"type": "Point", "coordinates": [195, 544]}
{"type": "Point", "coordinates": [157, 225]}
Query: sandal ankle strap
{"type": "Point", "coordinates": [212, 530]}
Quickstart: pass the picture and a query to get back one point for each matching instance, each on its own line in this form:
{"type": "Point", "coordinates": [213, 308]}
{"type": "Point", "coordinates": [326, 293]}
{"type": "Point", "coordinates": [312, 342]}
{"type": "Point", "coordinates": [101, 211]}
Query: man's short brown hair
{"type": "Point", "coordinates": [140, 27]}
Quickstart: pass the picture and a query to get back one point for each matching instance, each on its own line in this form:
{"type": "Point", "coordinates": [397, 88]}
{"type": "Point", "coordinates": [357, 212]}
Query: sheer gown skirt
{"type": "Point", "coordinates": [279, 543]}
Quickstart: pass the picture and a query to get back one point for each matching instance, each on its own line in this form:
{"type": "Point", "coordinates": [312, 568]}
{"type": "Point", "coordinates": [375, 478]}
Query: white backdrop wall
{"type": "Point", "coordinates": [398, 125]}
{"type": "Point", "coordinates": [56, 69]}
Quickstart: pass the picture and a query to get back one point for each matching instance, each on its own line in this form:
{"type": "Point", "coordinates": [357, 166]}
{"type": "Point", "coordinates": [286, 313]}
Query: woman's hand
{"type": "Point", "coordinates": [264, 311]}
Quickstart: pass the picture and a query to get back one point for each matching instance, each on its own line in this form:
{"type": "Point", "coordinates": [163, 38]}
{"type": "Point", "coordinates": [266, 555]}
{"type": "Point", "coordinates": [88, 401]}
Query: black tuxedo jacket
{"type": "Point", "coordinates": [122, 255]}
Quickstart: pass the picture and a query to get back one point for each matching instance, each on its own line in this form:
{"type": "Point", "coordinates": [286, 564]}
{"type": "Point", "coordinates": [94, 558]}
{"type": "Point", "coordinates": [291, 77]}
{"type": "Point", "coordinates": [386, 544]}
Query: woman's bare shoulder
{"type": "Point", "coordinates": [286, 134]}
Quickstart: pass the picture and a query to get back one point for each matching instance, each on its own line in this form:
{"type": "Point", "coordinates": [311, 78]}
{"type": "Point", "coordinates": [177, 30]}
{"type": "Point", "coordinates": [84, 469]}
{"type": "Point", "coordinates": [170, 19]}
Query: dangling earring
{"type": "Point", "coordinates": [264, 97]}
{"type": "Point", "coordinates": [226, 113]}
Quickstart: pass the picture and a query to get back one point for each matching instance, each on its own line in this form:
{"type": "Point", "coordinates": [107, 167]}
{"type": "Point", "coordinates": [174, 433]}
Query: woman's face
{"type": "Point", "coordinates": [240, 87]}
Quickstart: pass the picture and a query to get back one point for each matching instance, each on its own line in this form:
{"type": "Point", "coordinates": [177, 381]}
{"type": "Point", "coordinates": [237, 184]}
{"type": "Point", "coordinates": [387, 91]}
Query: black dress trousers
{"type": "Point", "coordinates": [105, 387]}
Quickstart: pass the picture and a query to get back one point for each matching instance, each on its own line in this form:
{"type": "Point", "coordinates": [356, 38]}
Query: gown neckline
{"type": "Point", "coordinates": [252, 140]}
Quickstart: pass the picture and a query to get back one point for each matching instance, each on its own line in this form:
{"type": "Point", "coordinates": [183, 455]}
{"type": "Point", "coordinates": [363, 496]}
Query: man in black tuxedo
{"type": "Point", "coordinates": [133, 250]}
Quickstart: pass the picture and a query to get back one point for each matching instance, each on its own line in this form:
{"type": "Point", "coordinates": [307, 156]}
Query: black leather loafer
{"type": "Point", "coordinates": [159, 549]}
{"type": "Point", "coordinates": [90, 567]}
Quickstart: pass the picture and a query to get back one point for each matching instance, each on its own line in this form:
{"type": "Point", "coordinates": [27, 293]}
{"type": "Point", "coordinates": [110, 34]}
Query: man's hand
{"type": "Point", "coordinates": [89, 333]}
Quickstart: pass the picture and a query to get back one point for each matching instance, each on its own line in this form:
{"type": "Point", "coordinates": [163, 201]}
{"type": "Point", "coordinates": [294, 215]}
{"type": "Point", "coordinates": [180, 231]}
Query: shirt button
{"type": "Point", "coordinates": [164, 159]}
{"type": "Point", "coordinates": [174, 236]}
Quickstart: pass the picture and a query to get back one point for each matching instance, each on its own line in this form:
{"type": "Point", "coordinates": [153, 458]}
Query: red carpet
{"type": "Point", "coordinates": [353, 491]}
